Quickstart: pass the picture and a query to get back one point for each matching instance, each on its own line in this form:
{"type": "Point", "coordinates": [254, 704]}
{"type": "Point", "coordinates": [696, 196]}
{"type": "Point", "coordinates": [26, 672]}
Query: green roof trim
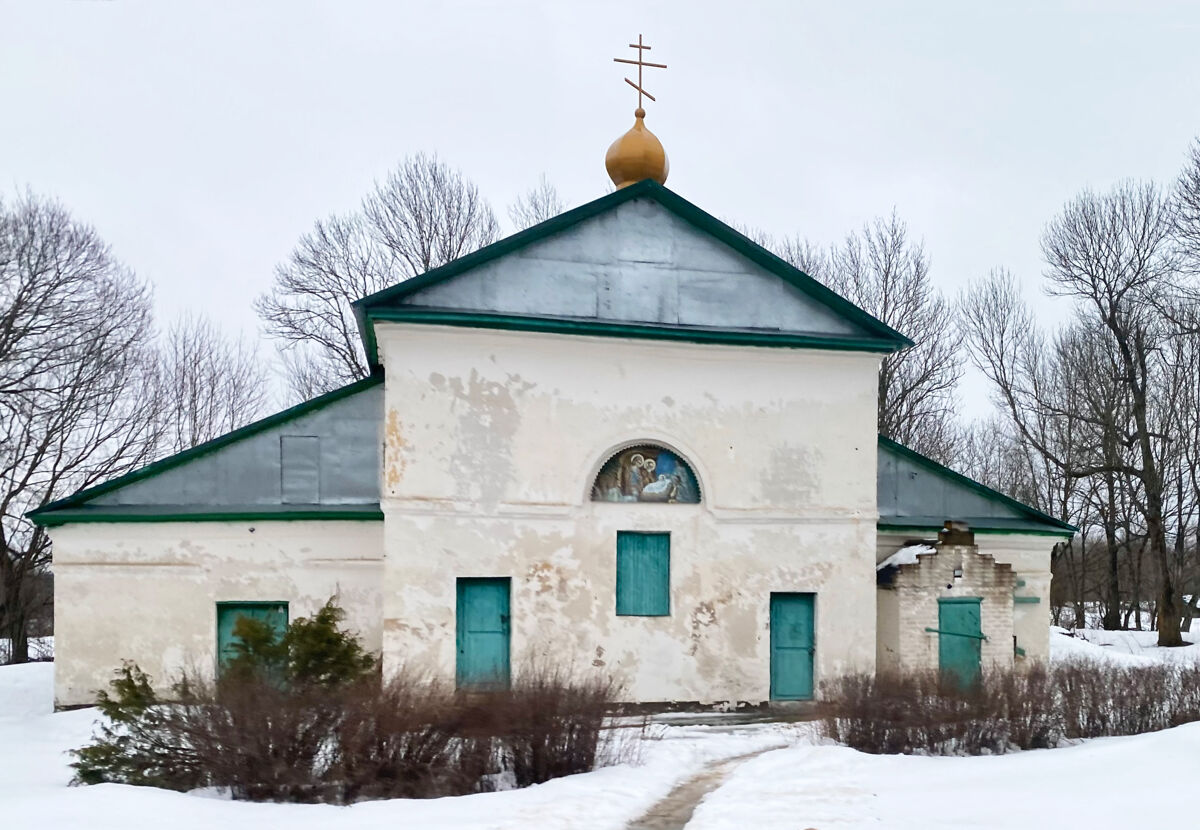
{"type": "Point", "coordinates": [185, 513]}
{"type": "Point", "coordinates": [573, 325]}
{"type": "Point", "coordinates": [889, 340]}
{"type": "Point", "coordinates": [1038, 518]}
{"type": "Point", "coordinates": [41, 515]}
{"type": "Point", "coordinates": [929, 526]}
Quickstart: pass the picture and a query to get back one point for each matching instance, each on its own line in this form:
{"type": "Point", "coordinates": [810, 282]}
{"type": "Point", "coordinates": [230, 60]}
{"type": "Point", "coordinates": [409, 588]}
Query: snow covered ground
{"type": "Point", "coordinates": [1128, 648]}
{"type": "Point", "coordinates": [1107, 783]}
{"type": "Point", "coordinates": [40, 648]}
{"type": "Point", "coordinates": [796, 782]}
{"type": "Point", "coordinates": [34, 773]}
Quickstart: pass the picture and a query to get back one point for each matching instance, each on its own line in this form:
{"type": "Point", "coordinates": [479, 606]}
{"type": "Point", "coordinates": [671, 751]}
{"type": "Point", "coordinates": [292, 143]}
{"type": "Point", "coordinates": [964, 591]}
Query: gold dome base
{"type": "Point", "coordinates": [637, 155]}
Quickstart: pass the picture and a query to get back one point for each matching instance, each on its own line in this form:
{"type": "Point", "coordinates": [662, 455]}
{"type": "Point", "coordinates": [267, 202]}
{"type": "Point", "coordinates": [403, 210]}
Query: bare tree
{"type": "Point", "coordinates": [1186, 204]}
{"type": "Point", "coordinates": [210, 384]}
{"type": "Point", "coordinates": [882, 271]}
{"type": "Point", "coordinates": [887, 275]}
{"type": "Point", "coordinates": [536, 205]}
{"type": "Point", "coordinates": [797, 251]}
{"type": "Point", "coordinates": [1114, 255]}
{"type": "Point", "coordinates": [77, 394]}
{"type": "Point", "coordinates": [423, 215]}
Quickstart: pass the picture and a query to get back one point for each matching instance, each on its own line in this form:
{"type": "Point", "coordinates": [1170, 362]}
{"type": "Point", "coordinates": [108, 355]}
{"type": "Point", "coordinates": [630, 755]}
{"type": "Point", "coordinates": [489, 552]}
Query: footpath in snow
{"type": "Point", "coordinates": [34, 771]}
{"type": "Point", "coordinates": [1138, 781]}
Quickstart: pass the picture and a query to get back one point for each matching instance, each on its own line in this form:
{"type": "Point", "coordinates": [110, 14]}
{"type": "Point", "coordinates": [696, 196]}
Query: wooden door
{"type": "Point", "coordinates": [483, 632]}
{"type": "Point", "coordinates": [793, 644]}
{"type": "Point", "coordinates": [960, 640]}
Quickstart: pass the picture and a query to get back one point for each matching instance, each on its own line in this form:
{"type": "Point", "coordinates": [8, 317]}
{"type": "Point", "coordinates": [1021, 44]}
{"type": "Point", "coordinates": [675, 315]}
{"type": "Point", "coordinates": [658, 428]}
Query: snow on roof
{"type": "Point", "coordinates": [907, 555]}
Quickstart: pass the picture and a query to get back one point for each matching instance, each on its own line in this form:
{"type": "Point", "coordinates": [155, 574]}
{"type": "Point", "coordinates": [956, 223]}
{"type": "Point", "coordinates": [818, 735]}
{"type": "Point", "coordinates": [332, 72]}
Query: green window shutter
{"type": "Point", "coordinates": [275, 614]}
{"type": "Point", "coordinates": [643, 574]}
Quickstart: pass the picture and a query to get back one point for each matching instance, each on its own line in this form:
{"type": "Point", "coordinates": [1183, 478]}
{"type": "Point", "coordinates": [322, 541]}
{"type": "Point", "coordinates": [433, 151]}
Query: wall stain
{"type": "Point", "coordinates": [543, 574]}
{"type": "Point", "coordinates": [395, 447]}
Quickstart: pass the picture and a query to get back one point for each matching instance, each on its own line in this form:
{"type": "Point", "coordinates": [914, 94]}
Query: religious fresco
{"type": "Point", "coordinates": [646, 473]}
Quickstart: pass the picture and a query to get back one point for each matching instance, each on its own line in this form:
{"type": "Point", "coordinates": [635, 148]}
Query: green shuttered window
{"type": "Point", "coordinates": [643, 574]}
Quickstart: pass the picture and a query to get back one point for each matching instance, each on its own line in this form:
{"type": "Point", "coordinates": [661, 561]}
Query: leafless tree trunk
{"type": "Point", "coordinates": [1113, 253]}
{"type": "Point", "coordinates": [77, 392]}
{"type": "Point", "coordinates": [536, 205]}
{"type": "Point", "coordinates": [1114, 256]}
{"type": "Point", "coordinates": [210, 384]}
{"type": "Point", "coordinates": [423, 215]}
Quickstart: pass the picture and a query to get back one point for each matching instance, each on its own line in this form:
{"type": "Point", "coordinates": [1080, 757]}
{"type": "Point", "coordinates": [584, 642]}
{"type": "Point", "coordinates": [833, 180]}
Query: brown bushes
{"type": "Point", "coordinates": [920, 714]}
{"type": "Point", "coordinates": [407, 737]}
{"type": "Point", "coordinates": [305, 717]}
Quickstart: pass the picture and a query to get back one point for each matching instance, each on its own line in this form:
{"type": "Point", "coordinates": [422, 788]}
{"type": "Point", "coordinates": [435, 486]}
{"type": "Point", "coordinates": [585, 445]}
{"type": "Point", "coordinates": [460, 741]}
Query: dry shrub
{"type": "Point", "coordinates": [408, 739]}
{"type": "Point", "coordinates": [409, 736]}
{"type": "Point", "coordinates": [919, 713]}
{"type": "Point", "coordinates": [551, 724]}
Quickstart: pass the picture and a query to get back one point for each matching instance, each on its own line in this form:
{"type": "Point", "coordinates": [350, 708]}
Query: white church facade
{"type": "Point", "coordinates": [628, 440]}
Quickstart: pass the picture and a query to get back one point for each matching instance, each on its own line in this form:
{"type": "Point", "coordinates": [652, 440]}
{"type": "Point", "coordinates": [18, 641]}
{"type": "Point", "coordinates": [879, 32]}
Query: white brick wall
{"type": "Point", "coordinates": [912, 602]}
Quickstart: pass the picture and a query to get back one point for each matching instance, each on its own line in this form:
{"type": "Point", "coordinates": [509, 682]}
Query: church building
{"type": "Point", "coordinates": [628, 440]}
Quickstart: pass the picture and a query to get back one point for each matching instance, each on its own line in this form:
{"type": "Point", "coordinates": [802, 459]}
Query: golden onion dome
{"type": "Point", "coordinates": [637, 155]}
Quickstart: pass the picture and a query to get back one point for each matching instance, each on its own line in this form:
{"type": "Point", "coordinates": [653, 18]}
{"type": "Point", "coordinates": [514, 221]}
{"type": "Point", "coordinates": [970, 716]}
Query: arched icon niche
{"type": "Point", "coordinates": [646, 473]}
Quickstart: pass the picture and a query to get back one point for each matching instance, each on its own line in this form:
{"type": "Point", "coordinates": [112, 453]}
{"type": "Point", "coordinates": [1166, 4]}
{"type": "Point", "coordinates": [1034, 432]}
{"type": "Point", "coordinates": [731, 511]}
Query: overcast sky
{"type": "Point", "coordinates": [202, 139]}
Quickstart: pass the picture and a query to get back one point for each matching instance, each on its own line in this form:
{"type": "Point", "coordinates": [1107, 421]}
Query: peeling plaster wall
{"type": "Point", "coordinates": [148, 592]}
{"type": "Point", "coordinates": [492, 440]}
{"type": "Point", "coordinates": [1029, 556]}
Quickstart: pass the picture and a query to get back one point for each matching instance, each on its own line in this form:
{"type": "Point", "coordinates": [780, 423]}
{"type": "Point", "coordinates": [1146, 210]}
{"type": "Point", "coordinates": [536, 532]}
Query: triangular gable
{"type": "Point", "coordinates": [917, 493]}
{"type": "Point", "coordinates": [639, 262]}
{"type": "Point", "coordinates": [319, 459]}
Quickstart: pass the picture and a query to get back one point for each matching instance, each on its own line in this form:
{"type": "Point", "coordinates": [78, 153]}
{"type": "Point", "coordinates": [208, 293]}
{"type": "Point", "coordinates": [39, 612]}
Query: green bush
{"type": "Point", "coordinates": [313, 651]}
{"type": "Point", "coordinates": [136, 742]}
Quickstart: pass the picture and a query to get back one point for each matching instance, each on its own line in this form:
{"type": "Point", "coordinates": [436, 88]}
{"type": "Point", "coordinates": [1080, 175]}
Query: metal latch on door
{"type": "Point", "coordinates": [956, 633]}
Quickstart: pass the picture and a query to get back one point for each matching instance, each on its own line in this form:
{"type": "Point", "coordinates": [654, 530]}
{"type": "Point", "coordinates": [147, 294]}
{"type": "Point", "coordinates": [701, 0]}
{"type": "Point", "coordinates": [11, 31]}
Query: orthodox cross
{"type": "Point", "coordinates": [639, 63]}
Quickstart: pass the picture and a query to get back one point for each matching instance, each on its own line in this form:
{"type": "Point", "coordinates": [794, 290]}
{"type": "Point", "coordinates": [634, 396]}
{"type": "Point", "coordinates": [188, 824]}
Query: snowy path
{"type": "Point", "coordinates": [34, 772]}
{"type": "Point", "coordinates": [701, 777]}
{"type": "Point", "coordinates": [675, 811]}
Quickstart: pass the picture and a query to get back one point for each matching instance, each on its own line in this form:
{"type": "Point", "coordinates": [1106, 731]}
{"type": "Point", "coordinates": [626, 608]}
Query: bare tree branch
{"type": "Point", "coordinates": [423, 215]}
{"type": "Point", "coordinates": [77, 385]}
{"type": "Point", "coordinates": [536, 205]}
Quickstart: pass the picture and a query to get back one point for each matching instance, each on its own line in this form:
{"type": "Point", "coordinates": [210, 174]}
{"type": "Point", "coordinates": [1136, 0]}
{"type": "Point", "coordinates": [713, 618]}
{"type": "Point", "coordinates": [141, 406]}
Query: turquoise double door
{"type": "Point", "coordinates": [793, 645]}
{"type": "Point", "coordinates": [483, 632]}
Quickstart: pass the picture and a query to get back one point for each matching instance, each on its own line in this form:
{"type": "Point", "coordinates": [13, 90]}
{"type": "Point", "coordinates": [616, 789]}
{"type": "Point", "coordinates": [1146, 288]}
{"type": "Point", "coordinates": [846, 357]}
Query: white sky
{"type": "Point", "coordinates": [202, 139]}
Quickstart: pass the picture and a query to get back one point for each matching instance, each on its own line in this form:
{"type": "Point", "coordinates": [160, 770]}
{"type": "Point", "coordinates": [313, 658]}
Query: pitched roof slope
{"type": "Point", "coordinates": [241, 475]}
{"type": "Point", "coordinates": [639, 262]}
{"type": "Point", "coordinates": [917, 493]}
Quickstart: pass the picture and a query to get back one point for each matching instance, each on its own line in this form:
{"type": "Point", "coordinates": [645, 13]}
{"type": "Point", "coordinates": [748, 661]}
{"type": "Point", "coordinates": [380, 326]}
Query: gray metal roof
{"type": "Point", "coordinates": [917, 493]}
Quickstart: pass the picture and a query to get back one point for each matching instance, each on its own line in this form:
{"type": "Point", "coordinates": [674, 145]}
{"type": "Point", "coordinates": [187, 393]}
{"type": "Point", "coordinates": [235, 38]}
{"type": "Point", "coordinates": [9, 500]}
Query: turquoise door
{"type": "Point", "coordinates": [274, 614]}
{"type": "Point", "coordinates": [793, 642]}
{"type": "Point", "coordinates": [960, 640]}
{"type": "Point", "coordinates": [482, 620]}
